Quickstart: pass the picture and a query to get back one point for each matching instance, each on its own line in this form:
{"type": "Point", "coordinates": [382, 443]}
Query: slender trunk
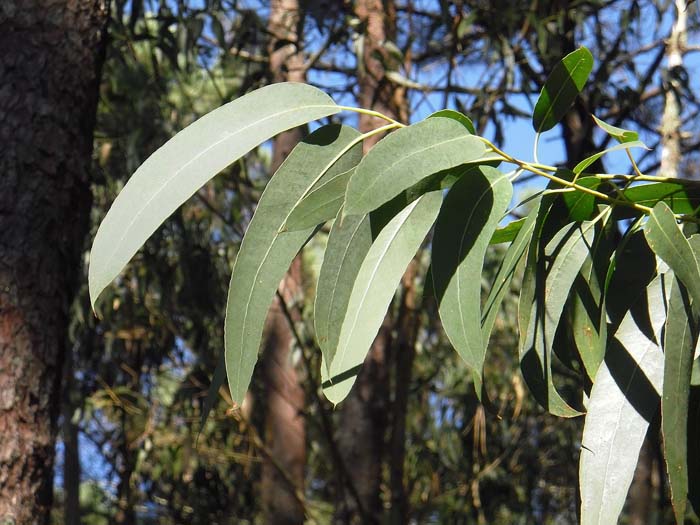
{"type": "Point", "coordinates": [49, 66]}
{"type": "Point", "coordinates": [71, 454]}
{"type": "Point", "coordinates": [282, 486]}
{"type": "Point", "coordinates": [364, 414]}
{"type": "Point", "coordinates": [671, 119]}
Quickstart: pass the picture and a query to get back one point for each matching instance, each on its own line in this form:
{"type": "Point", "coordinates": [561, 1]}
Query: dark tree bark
{"type": "Point", "coordinates": [50, 57]}
{"type": "Point", "coordinates": [282, 486]}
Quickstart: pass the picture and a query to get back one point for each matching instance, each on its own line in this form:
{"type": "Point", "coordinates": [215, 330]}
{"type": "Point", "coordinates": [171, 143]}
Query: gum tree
{"type": "Point", "coordinates": [610, 264]}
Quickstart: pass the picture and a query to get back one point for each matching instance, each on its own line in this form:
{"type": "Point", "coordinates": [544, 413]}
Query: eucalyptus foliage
{"type": "Point", "coordinates": [611, 280]}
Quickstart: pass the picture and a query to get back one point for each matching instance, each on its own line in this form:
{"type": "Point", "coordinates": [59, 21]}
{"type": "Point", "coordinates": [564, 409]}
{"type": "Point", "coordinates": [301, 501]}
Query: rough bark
{"type": "Point", "coordinates": [365, 413]}
{"type": "Point", "coordinates": [282, 485]}
{"type": "Point", "coordinates": [49, 65]}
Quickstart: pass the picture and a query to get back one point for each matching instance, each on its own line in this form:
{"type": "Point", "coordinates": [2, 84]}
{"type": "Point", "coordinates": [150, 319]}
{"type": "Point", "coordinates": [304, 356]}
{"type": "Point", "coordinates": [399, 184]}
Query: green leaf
{"type": "Point", "coordinates": [581, 205]}
{"type": "Point", "coordinates": [374, 288]}
{"type": "Point", "coordinates": [321, 204]}
{"type": "Point", "coordinates": [217, 381]}
{"type": "Point", "coordinates": [681, 198]}
{"type": "Point", "coordinates": [549, 276]}
{"type": "Point", "coordinates": [187, 161]}
{"type": "Point", "coordinates": [508, 232]}
{"type": "Point", "coordinates": [407, 156]}
{"type": "Point", "coordinates": [668, 242]}
{"type": "Point", "coordinates": [456, 115]}
{"type": "Point", "coordinates": [590, 160]}
{"type": "Point", "coordinates": [680, 339]}
{"type": "Point", "coordinates": [619, 134]}
{"type": "Point", "coordinates": [469, 216]}
{"type": "Point", "coordinates": [265, 253]}
{"type": "Point", "coordinates": [624, 399]}
{"type": "Point", "coordinates": [348, 243]}
{"type": "Point", "coordinates": [512, 257]}
{"type": "Point", "coordinates": [562, 87]}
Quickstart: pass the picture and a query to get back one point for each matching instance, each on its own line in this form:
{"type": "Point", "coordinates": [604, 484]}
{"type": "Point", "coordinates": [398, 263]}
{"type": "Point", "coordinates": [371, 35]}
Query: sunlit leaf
{"type": "Point", "coordinates": [187, 161]}
{"type": "Point", "coordinates": [590, 160]}
{"type": "Point", "coordinates": [348, 243]}
{"type": "Point", "coordinates": [467, 220]}
{"type": "Point", "coordinates": [321, 204]}
{"type": "Point", "coordinates": [407, 156]}
{"type": "Point", "coordinates": [619, 134]}
{"type": "Point", "coordinates": [623, 400]}
{"type": "Point", "coordinates": [508, 232]}
{"type": "Point", "coordinates": [579, 204]}
{"type": "Point", "coordinates": [265, 253]}
{"type": "Point", "coordinates": [681, 198]}
{"type": "Point", "coordinates": [562, 87]}
{"type": "Point", "coordinates": [512, 257]}
{"type": "Point", "coordinates": [456, 115]}
{"type": "Point", "coordinates": [668, 242]}
{"type": "Point", "coordinates": [374, 288]}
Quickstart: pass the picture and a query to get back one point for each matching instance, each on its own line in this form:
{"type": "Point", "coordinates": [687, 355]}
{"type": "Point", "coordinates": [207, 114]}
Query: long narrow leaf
{"type": "Point", "coordinates": [187, 161]}
{"type": "Point", "coordinates": [374, 288]}
{"type": "Point", "coordinates": [590, 160]}
{"type": "Point", "coordinates": [348, 243]}
{"type": "Point", "coordinates": [265, 253]}
{"type": "Point", "coordinates": [467, 220]}
{"type": "Point", "coordinates": [680, 339]}
{"type": "Point", "coordinates": [406, 157]}
{"type": "Point", "coordinates": [624, 398]}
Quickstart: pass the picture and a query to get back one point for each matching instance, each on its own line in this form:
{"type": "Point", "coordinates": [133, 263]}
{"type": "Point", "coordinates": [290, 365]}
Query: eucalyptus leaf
{"type": "Point", "coordinates": [500, 284]}
{"type": "Point", "coordinates": [681, 198]}
{"type": "Point", "coordinates": [680, 339]}
{"type": "Point", "coordinates": [623, 400]}
{"type": "Point", "coordinates": [456, 115]}
{"type": "Point", "coordinates": [348, 243]}
{"type": "Point", "coordinates": [508, 232]}
{"type": "Point", "coordinates": [265, 253]}
{"type": "Point", "coordinates": [546, 286]}
{"type": "Point", "coordinates": [619, 134]}
{"type": "Point", "coordinates": [374, 288]}
{"type": "Point", "coordinates": [406, 157]}
{"type": "Point", "coordinates": [562, 87]}
{"type": "Point", "coordinates": [469, 216]}
{"type": "Point", "coordinates": [590, 160]}
{"type": "Point", "coordinates": [187, 161]}
{"type": "Point", "coordinates": [321, 204]}
{"type": "Point", "coordinates": [668, 242]}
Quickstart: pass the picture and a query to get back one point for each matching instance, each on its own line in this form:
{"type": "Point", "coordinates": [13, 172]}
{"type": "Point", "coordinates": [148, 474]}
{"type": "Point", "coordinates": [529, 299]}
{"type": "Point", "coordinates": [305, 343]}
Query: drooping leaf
{"type": "Point", "coordinates": [321, 204]}
{"type": "Point", "coordinates": [508, 232]}
{"type": "Point", "coordinates": [562, 87]}
{"type": "Point", "coordinates": [467, 220]}
{"type": "Point", "coordinates": [187, 161]}
{"type": "Point", "coordinates": [619, 134]}
{"type": "Point", "coordinates": [406, 157]}
{"type": "Point", "coordinates": [549, 276]}
{"type": "Point", "coordinates": [681, 198]}
{"type": "Point", "coordinates": [581, 166]}
{"type": "Point", "coordinates": [265, 253]}
{"type": "Point", "coordinates": [505, 273]}
{"type": "Point", "coordinates": [456, 115]}
{"type": "Point", "coordinates": [218, 380]}
{"type": "Point", "coordinates": [348, 243]}
{"type": "Point", "coordinates": [668, 242]}
{"type": "Point", "coordinates": [624, 399]}
{"type": "Point", "coordinates": [374, 288]}
{"type": "Point", "coordinates": [680, 339]}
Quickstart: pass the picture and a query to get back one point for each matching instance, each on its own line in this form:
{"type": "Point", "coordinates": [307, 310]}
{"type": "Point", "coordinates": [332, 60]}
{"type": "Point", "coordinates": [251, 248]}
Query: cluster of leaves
{"type": "Point", "coordinates": [610, 287]}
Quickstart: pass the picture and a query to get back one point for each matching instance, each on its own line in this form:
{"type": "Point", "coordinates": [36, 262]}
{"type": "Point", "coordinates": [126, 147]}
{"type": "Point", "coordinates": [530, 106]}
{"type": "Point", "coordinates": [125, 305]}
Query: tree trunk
{"type": "Point", "coordinates": [364, 413]}
{"type": "Point", "coordinates": [49, 66]}
{"type": "Point", "coordinates": [71, 455]}
{"type": "Point", "coordinates": [282, 486]}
